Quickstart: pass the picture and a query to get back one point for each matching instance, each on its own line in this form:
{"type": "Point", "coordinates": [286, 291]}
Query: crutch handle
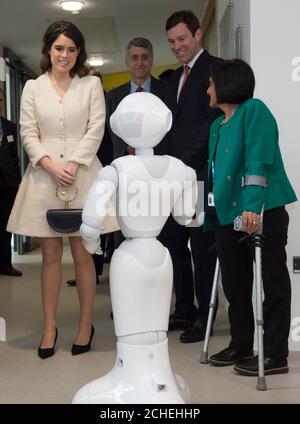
{"type": "Point", "coordinates": [257, 239]}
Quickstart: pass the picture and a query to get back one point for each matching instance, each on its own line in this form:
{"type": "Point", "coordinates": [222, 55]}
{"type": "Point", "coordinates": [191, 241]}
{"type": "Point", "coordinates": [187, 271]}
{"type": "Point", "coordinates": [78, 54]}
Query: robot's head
{"type": "Point", "coordinates": [141, 120]}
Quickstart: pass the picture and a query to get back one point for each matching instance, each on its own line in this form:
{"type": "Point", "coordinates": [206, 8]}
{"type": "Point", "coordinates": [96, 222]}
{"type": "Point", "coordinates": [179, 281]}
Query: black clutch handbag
{"type": "Point", "coordinates": [64, 220]}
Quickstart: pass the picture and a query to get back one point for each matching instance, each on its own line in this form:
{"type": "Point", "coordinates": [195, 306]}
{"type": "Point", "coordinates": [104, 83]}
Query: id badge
{"type": "Point", "coordinates": [211, 199]}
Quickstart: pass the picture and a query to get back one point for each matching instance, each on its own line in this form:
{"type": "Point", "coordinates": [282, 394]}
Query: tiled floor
{"type": "Point", "coordinates": [25, 378]}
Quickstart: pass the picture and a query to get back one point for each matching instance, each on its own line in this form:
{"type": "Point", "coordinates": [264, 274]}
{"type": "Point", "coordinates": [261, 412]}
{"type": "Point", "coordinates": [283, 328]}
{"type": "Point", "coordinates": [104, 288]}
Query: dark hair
{"type": "Point", "coordinates": [234, 81]}
{"type": "Point", "coordinates": [140, 42]}
{"type": "Point", "coordinates": [166, 74]}
{"type": "Point", "coordinates": [183, 17]}
{"type": "Point", "coordinates": [96, 73]}
{"type": "Point", "coordinates": [71, 31]}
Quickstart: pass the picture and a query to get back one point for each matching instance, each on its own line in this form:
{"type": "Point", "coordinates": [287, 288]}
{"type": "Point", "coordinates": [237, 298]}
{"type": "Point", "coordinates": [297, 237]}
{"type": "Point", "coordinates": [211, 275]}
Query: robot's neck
{"type": "Point", "coordinates": [144, 152]}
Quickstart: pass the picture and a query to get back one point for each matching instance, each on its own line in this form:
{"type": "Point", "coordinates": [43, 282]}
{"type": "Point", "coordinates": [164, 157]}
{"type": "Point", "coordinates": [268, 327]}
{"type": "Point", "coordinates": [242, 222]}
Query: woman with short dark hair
{"type": "Point", "coordinates": [234, 81]}
{"type": "Point", "coordinates": [247, 178]}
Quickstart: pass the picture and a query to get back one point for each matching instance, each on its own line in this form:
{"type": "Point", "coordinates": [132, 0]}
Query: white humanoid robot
{"type": "Point", "coordinates": [147, 189]}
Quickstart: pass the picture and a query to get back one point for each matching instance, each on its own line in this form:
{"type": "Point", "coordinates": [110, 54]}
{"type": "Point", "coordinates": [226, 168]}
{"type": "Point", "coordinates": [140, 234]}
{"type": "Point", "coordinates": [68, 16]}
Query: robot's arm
{"type": "Point", "coordinates": [185, 206]}
{"type": "Point", "coordinates": [96, 207]}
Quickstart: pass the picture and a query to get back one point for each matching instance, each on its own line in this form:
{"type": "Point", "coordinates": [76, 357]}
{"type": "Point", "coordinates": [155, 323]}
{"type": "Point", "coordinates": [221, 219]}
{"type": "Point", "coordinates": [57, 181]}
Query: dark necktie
{"type": "Point", "coordinates": [186, 70]}
{"type": "Point", "coordinates": [139, 89]}
{"type": "Point", "coordinates": [131, 150]}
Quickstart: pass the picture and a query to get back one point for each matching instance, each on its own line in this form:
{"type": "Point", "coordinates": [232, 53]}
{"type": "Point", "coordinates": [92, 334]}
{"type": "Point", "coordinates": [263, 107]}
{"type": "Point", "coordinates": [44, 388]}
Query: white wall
{"type": "Point", "coordinates": [271, 34]}
{"type": "Point", "coordinates": [275, 35]}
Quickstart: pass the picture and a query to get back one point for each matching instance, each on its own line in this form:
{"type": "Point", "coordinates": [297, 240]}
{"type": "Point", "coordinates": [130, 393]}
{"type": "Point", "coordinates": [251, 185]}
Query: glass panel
{"type": "Point", "coordinates": [226, 33]}
{"type": "Point", "coordinates": [16, 76]}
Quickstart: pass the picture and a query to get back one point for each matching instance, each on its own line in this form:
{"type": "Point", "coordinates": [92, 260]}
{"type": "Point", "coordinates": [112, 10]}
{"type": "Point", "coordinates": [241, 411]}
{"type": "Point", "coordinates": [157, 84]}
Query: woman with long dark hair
{"type": "Point", "coordinates": [62, 122]}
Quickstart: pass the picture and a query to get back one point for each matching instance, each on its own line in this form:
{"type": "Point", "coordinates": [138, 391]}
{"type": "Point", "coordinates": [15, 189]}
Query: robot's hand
{"type": "Point", "coordinates": [200, 218]}
{"type": "Point", "coordinates": [93, 246]}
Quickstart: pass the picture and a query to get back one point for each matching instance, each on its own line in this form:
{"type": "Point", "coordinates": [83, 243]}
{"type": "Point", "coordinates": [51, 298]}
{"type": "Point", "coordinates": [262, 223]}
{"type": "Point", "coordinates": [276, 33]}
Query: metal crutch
{"type": "Point", "coordinates": [257, 239]}
{"type": "Point", "coordinates": [258, 243]}
{"type": "Point", "coordinates": [213, 299]}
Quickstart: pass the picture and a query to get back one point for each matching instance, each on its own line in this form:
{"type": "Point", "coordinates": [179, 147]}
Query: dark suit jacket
{"type": "Point", "coordinates": [105, 151]}
{"type": "Point", "coordinates": [188, 138]}
{"type": "Point", "coordinates": [114, 97]}
{"type": "Point", "coordinates": [9, 160]}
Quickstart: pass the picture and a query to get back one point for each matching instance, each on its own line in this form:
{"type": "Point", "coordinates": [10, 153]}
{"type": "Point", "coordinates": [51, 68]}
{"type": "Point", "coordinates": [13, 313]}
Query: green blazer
{"type": "Point", "coordinates": [246, 146]}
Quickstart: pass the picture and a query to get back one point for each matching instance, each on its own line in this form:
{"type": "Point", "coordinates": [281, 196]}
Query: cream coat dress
{"type": "Point", "coordinates": [68, 128]}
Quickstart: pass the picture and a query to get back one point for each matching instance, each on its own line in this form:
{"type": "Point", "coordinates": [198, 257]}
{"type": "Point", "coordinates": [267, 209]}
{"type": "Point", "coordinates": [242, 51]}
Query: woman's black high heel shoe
{"type": "Point", "coordinates": [48, 351]}
{"type": "Point", "coordinates": [78, 349]}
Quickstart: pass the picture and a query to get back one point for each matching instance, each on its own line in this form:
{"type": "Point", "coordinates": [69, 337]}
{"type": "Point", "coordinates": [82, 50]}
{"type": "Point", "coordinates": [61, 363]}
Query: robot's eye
{"type": "Point", "coordinates": [131, 123]}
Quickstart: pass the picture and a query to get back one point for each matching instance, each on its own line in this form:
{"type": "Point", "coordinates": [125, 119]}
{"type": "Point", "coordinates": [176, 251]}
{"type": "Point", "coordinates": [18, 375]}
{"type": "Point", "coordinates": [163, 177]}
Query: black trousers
{"type": "Point", "coordinates": [236, 260]}
{"type": "Point", "coordinates": [7, 197]}
{"type": "Point", "coordinates": [186, 283]}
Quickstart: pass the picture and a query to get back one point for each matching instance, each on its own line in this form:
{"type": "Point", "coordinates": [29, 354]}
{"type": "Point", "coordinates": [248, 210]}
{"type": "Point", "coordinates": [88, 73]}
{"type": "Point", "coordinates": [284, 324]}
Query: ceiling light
{"type": "Point", "coordinates": [72, 6]}
{"type": "Point", "coordinates": [95, 61]}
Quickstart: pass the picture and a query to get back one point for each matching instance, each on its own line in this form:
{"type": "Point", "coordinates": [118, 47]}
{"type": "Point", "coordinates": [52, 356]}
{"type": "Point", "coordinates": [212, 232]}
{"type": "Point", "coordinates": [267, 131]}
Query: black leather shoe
{"type": "Point", "coordinates": [194, 334]}
{"type": "Point", "coordinates": [78, 349]}
{"type": "Point", "coordinates": [72, 283]}
{"type": "Point", "coordinates": [271, 366]}
{"type": "Point", "coordinates": [48, 351]}
{"type": "Point", "coordinates": [228, 356]}
{"type": "Point", "coordinates": [10, 271]}
{"type": "Point", "coordinates": [177, 323]}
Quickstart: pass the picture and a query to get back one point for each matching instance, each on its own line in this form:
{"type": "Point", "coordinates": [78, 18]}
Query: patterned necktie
{"type": "Point", "coordinates": [139, 89]}
{"type": "Point", "coordinates": [131, 150]}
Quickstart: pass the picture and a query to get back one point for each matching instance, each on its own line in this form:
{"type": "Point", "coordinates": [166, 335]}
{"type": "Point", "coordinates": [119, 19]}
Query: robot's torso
{"type": "Point", "coordinates": [149, 188]}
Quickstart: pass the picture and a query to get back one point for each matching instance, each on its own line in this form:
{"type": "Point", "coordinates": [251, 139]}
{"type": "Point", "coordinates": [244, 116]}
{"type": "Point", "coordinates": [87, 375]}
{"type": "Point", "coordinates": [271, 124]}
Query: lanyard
{"type": "Point", "coordinates": [213, 170]}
